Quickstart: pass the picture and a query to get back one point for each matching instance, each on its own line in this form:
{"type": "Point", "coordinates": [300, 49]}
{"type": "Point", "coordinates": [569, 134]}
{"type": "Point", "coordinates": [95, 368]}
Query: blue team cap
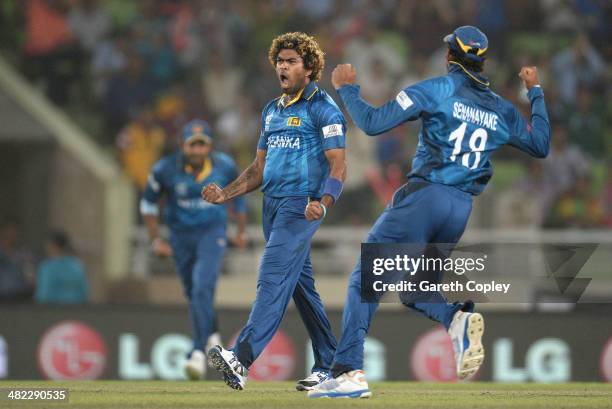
{"type": "Point", "coordinates": [468, 42]}
{"type": "Point", "coordinates": [197, 130]}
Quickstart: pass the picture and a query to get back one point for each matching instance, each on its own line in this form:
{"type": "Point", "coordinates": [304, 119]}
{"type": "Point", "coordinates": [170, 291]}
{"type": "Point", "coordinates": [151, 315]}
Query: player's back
{"type": "Point", "coordinates": [464, 123]}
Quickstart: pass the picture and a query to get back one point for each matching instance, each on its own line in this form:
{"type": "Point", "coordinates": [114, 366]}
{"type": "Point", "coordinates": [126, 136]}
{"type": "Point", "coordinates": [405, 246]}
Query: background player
{"type": "Point", "coordinates": [301, 167]}
{"type": "Point", "coordinates": [197, 229]}
{"type": "Point", "coordinates": [463, 123]}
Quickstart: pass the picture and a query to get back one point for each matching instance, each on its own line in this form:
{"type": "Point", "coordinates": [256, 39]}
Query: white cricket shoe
{"type": "Point", "coordinates": [226, 362]}
{"type": "Point", "coordinates": [348, 385]}
{"type": "Point", "coordinates": [466, 332]}
{"type": "Point", "coordinates": [195, 367]}
{"type": "Point", "coordinates": [315, 378]}
{"type": "Point", "coordinates": [213, 339]}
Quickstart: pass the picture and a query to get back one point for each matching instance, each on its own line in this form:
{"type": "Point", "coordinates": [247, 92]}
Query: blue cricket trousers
{"type": "Point", "coordinates": [419, 213]}
{"type": "Point", "coordinates": [286, 271]}
{"type": "Point", "coordinates": [198, 254]}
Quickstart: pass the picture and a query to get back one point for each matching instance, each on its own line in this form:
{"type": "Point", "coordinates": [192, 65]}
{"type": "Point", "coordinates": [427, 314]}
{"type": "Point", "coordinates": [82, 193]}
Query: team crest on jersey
{"type": "Point", "coordinates": [294, 121]}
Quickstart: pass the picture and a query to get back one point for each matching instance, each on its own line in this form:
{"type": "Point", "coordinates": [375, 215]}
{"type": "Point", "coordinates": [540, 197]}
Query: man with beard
{"type": "Point", "coordinates": [197, 228]}
{"type": "Point", "coordinates": [300, 166]}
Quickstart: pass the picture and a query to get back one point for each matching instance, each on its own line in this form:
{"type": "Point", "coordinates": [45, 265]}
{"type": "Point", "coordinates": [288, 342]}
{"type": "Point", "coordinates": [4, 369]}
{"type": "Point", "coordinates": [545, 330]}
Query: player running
{"type": "Point", "coordinates": [463, 123]}
{"type": "Point", "coordinates": [197, 229]}
{"type": "Point", "coordinates": [300, 167]}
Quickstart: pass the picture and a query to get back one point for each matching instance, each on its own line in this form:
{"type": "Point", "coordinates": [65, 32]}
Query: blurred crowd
{"type": "Point", "coordinates": [58, 278]}
{"type": "Point", "coordinates": [140, 69]}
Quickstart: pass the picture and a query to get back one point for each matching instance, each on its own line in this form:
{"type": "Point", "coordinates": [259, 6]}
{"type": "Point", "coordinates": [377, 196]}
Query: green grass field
{"type": "Point", "coordinates": [161, 394]}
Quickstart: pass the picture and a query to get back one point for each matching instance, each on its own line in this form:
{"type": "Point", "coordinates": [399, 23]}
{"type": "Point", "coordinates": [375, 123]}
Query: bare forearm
{"type": "Point", "coordinates": [152, 226]}
{"type": "Point", "coordinates": [248, 181]}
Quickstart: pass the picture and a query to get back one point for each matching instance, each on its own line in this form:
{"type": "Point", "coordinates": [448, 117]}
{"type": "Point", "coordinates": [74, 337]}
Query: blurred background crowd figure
{"type": "Point", "coordinates": [132, 72]}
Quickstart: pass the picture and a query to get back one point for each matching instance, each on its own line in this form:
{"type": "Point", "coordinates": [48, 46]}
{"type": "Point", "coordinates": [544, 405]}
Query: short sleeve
{"type": "Point", "coordinates": [331, 126]}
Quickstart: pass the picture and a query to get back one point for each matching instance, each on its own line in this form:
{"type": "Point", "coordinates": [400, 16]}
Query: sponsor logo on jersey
{"type": "Point", "coordinates": [404, 100]}
{"type": "Point", "coordinates": [196, 203]}
{"type": "Point", "coordinates": [294, 121]}
{"type": "Point", "coordinates": [283, 142]}
{"type": "Point", "coordinates": [332, 130]}
{"type": "Point", "coordinates": [268, 120]}
{"type": "Point", "coordinates": [181, 189]}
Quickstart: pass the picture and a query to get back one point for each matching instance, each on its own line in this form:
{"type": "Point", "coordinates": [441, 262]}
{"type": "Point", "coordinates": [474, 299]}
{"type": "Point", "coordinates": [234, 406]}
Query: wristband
{"type": "Point", "coordinates": [333, 187]}
{"type": "Point", "coordinates": [324, 210]}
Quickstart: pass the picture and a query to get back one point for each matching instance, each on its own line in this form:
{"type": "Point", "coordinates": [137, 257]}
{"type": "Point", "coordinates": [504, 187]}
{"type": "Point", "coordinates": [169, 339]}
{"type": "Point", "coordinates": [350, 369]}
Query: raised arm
{"type": "Point", "coordinates": [250, 179]}
{"type": "Point", "coordinates": [533, 138]}
{"type": "Point", "coordinates": [373, 121]}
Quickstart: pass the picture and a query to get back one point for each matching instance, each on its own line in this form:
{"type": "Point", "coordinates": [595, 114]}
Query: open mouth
{"type": "Point", "coordinates": [284, 80]}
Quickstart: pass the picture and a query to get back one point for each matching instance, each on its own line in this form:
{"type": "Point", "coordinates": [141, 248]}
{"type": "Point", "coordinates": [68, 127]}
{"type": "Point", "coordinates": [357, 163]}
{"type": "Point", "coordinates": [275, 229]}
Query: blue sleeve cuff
{"type": "Point", "coordinates": [348, 89]}
{"type": "Point", "coordinates": [535, 92]}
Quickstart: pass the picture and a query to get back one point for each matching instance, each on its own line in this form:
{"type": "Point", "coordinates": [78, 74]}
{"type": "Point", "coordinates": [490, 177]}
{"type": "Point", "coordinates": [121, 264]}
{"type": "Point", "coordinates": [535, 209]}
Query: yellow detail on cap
{"type": "Point", "coordinates": [464, 47]}
{"type": "Point", "coordinates": [294, 121]}
{"type": "Point", "coordinates": [467, 48]}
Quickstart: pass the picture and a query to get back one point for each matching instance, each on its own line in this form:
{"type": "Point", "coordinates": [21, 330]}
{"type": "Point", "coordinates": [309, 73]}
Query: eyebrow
{"type": "Point", "coordinates": [290, 59]}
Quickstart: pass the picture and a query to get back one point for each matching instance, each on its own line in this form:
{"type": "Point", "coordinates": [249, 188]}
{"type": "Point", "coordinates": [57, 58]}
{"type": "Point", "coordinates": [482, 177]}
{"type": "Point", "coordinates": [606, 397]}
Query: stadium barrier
{"type": "Point", "coordinates": [150, 342]}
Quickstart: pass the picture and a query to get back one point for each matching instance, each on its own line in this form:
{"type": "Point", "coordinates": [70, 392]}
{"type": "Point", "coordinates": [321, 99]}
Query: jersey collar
{"type": "Point", "coordinates": [306, 93]}
{"type": "Point", "coordinates": [480, 80]}
{"type": "Point", "coordinates": [204, 173]}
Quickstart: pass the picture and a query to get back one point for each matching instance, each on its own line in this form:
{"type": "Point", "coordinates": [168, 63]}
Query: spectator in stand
{"type": "Point", "coordinates": [16, 275]}
{"type": "Point", "coordinates": [221, 85]}
{"type": "Point", "coordinates": [578, 207]}
{"type": "Point", "coordinates": [61, 278]}
{"type": "Point", "coordinates": [50, 51]}
{"type": "Point", "coordinates": [528, 202]}
{"type": "Point", "coordinates": [238, 128]}
{"type": "Point", "coordinates": [162, 62]}
{"type": "Point", "coordinates": [141, 144]}
{"type": "Point", "coordinates": [579, 65]}
{"type": "Point", "coordinates": [126, 93]}
{"type": "Point", "coordinates": [109, 58]}
{"type": "Point", "coordinates": [89, 23]}
{"type": "Point", "coordinates": [606, 196]}
{"type": "Point", "coordinates": [565, 164]}
{"type": "Point", "coordinates": [586, 123]}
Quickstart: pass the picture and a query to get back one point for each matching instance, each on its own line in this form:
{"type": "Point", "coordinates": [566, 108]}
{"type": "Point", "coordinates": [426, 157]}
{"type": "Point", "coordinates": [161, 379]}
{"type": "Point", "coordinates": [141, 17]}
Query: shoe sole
{"type": "Point", "coordinates": [301, 388]}
{"type": "Point", "coordinates": [218, 363]}
{"type": "Point", "coordinates": [192, 373]}
{"type": "Point", "coordinates": [473, 357]}
{"type": "Point", "coordinates": [362, 394]}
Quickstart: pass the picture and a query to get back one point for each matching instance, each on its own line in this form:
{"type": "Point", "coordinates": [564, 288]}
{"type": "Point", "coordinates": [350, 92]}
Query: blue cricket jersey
{"type": "Point", "coordinates": [296, 137]}
{"type": "Point", "coordinates": [464, 122]}
{"type": "Point", "coordinates": [185, 208]}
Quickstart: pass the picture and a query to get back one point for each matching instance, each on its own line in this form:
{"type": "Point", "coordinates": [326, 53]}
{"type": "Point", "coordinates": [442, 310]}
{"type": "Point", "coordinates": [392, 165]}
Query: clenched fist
{"type": "Point", "coordinates": [313, 211]}
{"type": "Point", "coordinates": [213, 194]}
{"type": "Point", "coordinates": [529, 75]}
{"type": "Point", "coordinates": [343, 74]}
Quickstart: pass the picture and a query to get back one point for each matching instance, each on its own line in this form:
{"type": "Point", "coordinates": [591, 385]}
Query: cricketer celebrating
{"type": "Point", "coordinates": [300, 166]}
{"type": "Point", "coordinates": [464, 122]}
{"type": "Point", "coordinates": [197, 228]}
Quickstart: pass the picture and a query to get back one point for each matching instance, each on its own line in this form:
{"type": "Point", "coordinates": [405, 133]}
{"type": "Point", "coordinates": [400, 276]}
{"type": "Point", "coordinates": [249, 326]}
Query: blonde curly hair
{"type": "Point", "coordinates": [306, 46]}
